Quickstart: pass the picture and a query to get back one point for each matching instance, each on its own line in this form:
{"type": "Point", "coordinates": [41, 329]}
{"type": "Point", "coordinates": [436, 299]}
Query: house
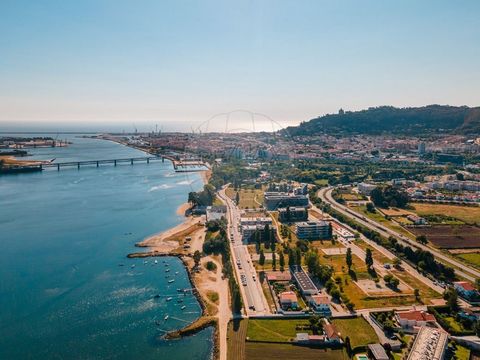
{"type": "Point", "coordinates": [331, 333]}
{"type": "Point", "coordinates": [320, 304]}
{"type": "Point", "coordinates": [377, 352]}
{"type": "Point", "coordinates": [284, 276]}
{"type": "Point", "coordinates": [414, 318]}
{"type": "Point", "coordinates": [303, 281]}
{"type": "Point", "coordinates": [366, 189]}
{"type": "Point", "coordinates": [288, 300]}
{"type": "Point", "coordinates": [466, 290]}
{"type": "Point", "coordinates": [417, 220]}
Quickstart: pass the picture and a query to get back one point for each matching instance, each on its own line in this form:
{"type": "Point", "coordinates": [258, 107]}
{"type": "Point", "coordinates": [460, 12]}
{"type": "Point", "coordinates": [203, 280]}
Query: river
{"type": "Point", "coordinates": [67, 290]}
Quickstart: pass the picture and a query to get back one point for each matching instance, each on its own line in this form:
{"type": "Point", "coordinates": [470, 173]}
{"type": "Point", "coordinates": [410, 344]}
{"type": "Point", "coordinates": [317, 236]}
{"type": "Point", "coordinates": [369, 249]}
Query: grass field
{"type": "Point", "coordinates": [358, 330]}
{"type": "Point", "coordinates": [275, 330]}
{"type": "Point", "coordinates": [468, 214]}
{"type": "Point", "coordinates": [249, 198]}
{"type": "Point", "coordinates": [377, 255]}
{"type": "Point", "coordinates": [259, 351]}
{"type": "Point", "coordinates": [471, 258]}
{"type": "Point", "coordinates": [236, 333]}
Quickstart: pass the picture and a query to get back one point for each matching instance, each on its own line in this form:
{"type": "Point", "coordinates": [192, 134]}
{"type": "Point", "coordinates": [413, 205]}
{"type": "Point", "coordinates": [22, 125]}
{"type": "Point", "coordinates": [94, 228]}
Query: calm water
{"type": "Point", "coordinates": [67, 290]}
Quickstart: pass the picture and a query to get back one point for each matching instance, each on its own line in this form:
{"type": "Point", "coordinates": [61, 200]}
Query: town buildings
{"type": "Point", "coordinates": [313, 230]}
{"type": "Point", "coordinates": [430, 343]}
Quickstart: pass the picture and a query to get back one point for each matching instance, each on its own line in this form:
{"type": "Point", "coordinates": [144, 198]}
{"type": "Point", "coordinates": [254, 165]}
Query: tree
{"type": "Point", "coordinates": [298, 256]}
{"type": "Point", "coordinates": [196, 257]}
{"type": "Point", "coordinates": [274, 261]}
{"type": "Point", "coordinates": [370, 207]}
{"type": "Point", "coordinates": [422, 239]}
{"type": "Point", "coordinates": [237, 198]}
{"type": "Point", "coordinates": [282, 261]}
{"type": "Point", "coordinates": [348, 346]}
{"type": "Point", "coordinates": [416, 292]}
{"type": "Point", "coordinates": [261, 259]}
{"type": "Point", "coordinates": [291, 258]}
{"type": "Point", "coordinates": [211, 266]}
{"type": "Point", "coordinates": [397, 263]}
{"type": "Point", "coordinates": [368, 258]}
{"type": "Point", "coordinates": [237, 300]}
{"type": "Point", "coordinates": [348, 258]}
{"type": "Point", "coordinates": [451, 296]}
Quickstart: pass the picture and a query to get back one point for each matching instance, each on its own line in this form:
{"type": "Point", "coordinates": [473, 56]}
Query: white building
{"type": "Point", "coordinates": [366, 189]}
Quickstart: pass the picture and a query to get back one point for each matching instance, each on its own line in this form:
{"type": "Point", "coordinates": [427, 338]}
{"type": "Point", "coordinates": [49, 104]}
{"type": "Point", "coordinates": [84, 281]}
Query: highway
{"type": "Point", "coordinates": [252, 293]}
{"type": "Point", "coordinates": [466, 272]}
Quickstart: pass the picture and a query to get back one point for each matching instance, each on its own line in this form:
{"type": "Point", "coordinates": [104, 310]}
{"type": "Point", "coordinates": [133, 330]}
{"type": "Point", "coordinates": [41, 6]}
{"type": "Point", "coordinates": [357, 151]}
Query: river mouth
{"type": "Point", "coordinates": [67, 289]}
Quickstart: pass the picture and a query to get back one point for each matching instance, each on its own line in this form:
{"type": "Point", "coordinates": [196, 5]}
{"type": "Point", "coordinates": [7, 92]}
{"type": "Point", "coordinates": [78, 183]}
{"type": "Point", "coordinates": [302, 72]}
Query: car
{"type": "Point", "coordinates": [252, 307]}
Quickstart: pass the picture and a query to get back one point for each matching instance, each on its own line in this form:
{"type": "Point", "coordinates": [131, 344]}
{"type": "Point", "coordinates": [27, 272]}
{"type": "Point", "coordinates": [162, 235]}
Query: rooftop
{"type": "Point", "coordinates": [416, 315]}
{"type": "Point", "coordinates": [465, 285]}
{"type": "Point", "coordinates": [288, 296]}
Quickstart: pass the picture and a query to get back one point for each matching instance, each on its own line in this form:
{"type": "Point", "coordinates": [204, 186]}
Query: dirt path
{"type": "Point", "coordinates": [210, 281]}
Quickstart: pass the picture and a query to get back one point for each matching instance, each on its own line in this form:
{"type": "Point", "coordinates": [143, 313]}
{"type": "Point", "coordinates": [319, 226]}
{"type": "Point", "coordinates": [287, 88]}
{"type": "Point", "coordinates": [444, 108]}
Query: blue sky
{"type": "Point", "coordinates": [148, 62]}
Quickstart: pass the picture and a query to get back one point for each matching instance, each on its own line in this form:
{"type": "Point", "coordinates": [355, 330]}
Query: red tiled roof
{"type": "Point", "coordinates": [331, 331]}
{"type": "Point", "coordinates": [288, 296]}
{"type": "Point", "coordinates": [416, 315]}
{"type": "Point", "coordinates": [465, 285]}
{"type": "Point", "coordinates": [321, 299]}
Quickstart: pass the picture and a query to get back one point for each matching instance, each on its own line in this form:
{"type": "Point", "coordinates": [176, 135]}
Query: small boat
{"type": "Point", "coordinates": [165, 318]}
{"type": "Point", "coordinates": [179, 290]}
{"type": "Point", "coordinates": [176, 272]}
{"type": "Point", "coordinates": [156, 296]}
{"type": "Point", "coordinates": [133, 265]}
{"type": "Point", "coordinates": [179, 300]}
{"type": "Point", "coordinates": [169, 298]}
{"type": "Point", "coordinates": [156, 262]}
{"type": "Point", "coordinates": [168, 270]}
{"type": "Point", "coordinates": [183, 307]}
{"type": "Point", "coordinates": [170, 281]}
{"type": "Point", "coordinates": [121, 264]}
{"type": "Point", "coordinates": [145, 262]}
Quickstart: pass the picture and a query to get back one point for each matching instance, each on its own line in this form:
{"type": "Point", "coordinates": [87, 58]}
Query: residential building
{"type": "Point", "coordinates": [414, 319]}
{"type": "Point", "coordinates": [313, 230]}
{"type": "Point", "coordinates": [320, 304]}
{"type": "Point", "coordinates": [366, 189]}
{"type": "Point", "coordinates": [256, 221]}
{"type": "Point", "coordinates": [430, 344]}
{"type": "Point", "coordinates": [417, 220]}
{"type": "Point", "coordinates": [275, 200]}
{"type": "Point", "coordinates": [332, 333]}
{"type": "Point", "coordinates": [216, 212]}
{"type": "Point", "coordinates": [288, 300]}
{"type": "Point", "coordinates": [466, 290]}
{"type": "Point", "coordinates": [292, 214]}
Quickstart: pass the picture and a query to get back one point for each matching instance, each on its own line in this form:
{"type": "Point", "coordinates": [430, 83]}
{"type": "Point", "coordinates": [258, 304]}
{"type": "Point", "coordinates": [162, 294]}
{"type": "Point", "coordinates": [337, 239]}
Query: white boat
{"type": "Point", "coordinates": [132, 266]}
{"type": "Point", "coordinates": [167, 270]}
{"type": "Point", "coordinates": [183, 307]}
{"type": "Point", "coordinates": [166, 317]}
{"type": "Point", "coordinates": [176, 272]}
{"type": "Point", "coordinates": [171, 280]}
{"type": "Point", "coordinates": [156, 262]}
{"type": "Point", "coordinates": [169, 299]}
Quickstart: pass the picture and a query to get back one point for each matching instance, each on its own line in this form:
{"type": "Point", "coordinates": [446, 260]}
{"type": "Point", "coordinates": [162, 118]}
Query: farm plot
{"type": "Point", "coordinates": [451, 236]}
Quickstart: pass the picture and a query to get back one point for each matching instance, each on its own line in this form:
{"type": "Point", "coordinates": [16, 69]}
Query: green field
{"type": "Point", "coordinates": [471, 258]}
{"type": "Point", "coordinates": [275, 330]}
{"type": "Point", "coordinates": [259, 351]}
{"type": "Point", "coordinates": [358, 330]}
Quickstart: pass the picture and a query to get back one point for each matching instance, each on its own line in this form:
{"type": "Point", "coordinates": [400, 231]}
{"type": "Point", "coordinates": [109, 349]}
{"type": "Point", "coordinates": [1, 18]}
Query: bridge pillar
{"type": "Point", "coordinates": [115, 162]}
{"type": "Point", "coordinates": [131, 161]}
{"type": "Point", "coordinates": [58, 167]}
{"type": "Point", "coordinates": [163, 159]}
{"type": "Point", "coordinates": [148, 160]}
{"type": "Point", "coordinates": [97, 163]}
{"type": "Point", "coordinates": [78, 165]}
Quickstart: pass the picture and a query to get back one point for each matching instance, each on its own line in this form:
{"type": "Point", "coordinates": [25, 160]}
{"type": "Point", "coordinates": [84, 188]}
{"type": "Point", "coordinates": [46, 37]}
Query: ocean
{"type": "Point", "coordinates": [67, 290]}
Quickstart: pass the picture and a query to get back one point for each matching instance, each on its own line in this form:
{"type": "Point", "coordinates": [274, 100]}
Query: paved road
{"type": "Point", "coordinates": [466, 271]}
{"type": "Point", "coordinates": [252, 294]}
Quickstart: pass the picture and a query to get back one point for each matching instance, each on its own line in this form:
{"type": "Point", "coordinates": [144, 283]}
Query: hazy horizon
{"type": "Point", "coordinates": [111, 64]}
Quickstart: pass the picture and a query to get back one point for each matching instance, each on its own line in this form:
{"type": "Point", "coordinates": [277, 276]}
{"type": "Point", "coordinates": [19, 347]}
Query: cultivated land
{"type": "Point", "coordinates": [259, 351]}
{"type": "Point", "coordinates": [472, 258]}
{"type": "Point", "coordinates": [468, 214]}
{"type": "Point", "coordinates": [451, 236]}
{"type": "Point", "coordinates": [237, 331]}
{"type": "Point", "coordinates": [358, 330]}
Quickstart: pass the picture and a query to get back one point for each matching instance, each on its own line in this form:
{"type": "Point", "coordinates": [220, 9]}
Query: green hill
{"type": "Point", "coordinates": [431, 119]}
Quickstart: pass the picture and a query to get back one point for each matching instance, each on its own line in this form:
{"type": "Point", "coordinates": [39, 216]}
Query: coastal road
{"type": "Point", "coordinates": [464, 271]}
{"type": "Point", "coordinates": [252, 293]}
